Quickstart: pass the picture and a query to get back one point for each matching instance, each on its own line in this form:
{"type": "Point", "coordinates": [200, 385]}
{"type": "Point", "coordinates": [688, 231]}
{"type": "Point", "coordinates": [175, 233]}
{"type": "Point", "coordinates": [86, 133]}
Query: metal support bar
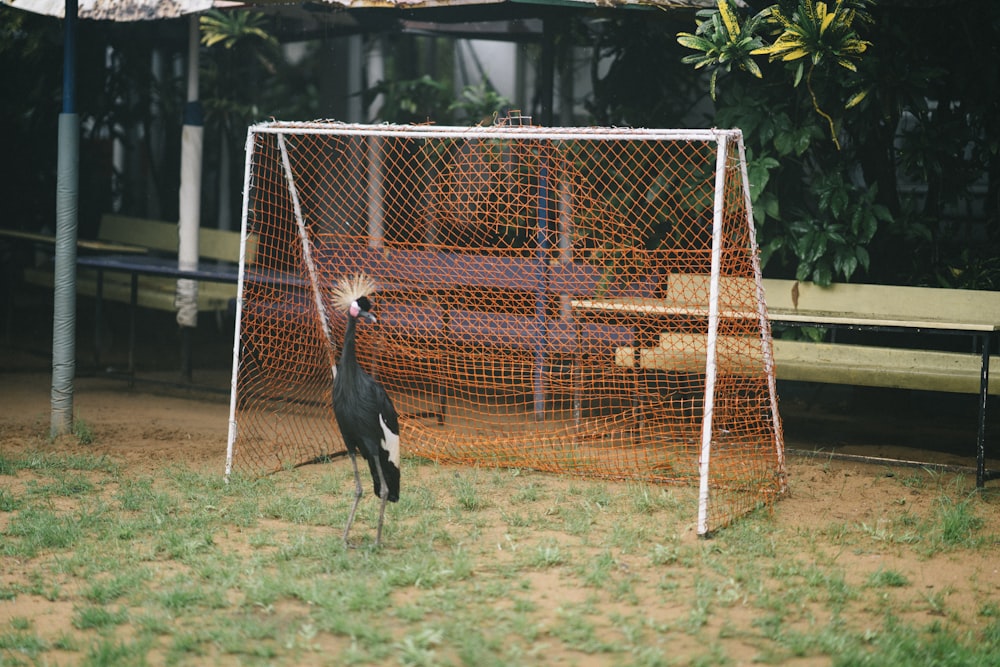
{"type": "Point", "coordinates": [984, 385]}
{"type": "Point", "coordinates": [186, 352]}
{"type": "Point", "coordinates": [133, 302]}
{"type": "Point", "coordinates": [541, 293]}
{"type": "Point", "coordinates": [98, 316]}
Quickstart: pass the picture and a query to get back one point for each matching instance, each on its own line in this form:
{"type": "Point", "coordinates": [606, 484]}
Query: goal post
{"type": "Point", "coordinates": [585, 301]}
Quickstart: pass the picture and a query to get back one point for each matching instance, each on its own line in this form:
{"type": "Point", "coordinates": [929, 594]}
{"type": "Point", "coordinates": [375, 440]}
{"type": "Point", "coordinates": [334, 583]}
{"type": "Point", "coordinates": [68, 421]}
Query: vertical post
{"type": "Point", "coordinates": [541, 293]}
{"type": "Point", "coordinates": [190, 202]}
{"type": "Point", "coordinates": [713, 331]}
{"type": "Point", "coordinates": [98, 318]}
{"type": "Point", "coordinates": [564, 216]}
{"type": "Point", "coordinates": [565, 66]}
{"type": "Point", "coordinates": [546, 76]}
{"type": "Point", "coordinates": [67, 211]}
{"type": "Point", "coordinates": [307, 259]}
{"type": "Point", "coordinates": [984, 388]}
{"type": "Point", "coordinates": [767, 346]}
{"type": "Point", "coordinates": [133, 304]}
{"type": "Point", "coordinates": [376, 193]}
{"type": "Point", "coordinates": [233, 383]}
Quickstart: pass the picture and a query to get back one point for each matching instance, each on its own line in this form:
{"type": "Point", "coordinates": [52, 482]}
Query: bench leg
{"type": "Point", "coordinates": [186, 365]}
{"type": "Point", "coordinates": [98, 315]}
{"type": "Point", "coordinates": [984, 386]}
{"type": "Point", "coordinates": [442, 405]}
{"type": "Point", "coordinates": [133, 301]}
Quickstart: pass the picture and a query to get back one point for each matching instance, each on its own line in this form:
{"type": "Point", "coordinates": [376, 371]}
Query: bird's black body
{"type": "Point", "coordinates": [367, 419]}
{"type": "Point", "coordinates": [361, 407]}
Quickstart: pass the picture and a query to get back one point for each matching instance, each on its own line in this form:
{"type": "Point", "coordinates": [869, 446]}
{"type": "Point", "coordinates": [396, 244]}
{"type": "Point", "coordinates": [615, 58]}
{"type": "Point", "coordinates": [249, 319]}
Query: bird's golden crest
{"type": "Point", "coordinates": [351, 288]}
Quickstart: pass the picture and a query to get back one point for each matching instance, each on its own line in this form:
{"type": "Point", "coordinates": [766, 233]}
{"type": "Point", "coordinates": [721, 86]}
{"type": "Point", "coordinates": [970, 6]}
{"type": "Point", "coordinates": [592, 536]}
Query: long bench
{"type": "Point", "coordinates": [925, 310]}
{"type": "Point", "coordinates": [880, 309]}
{"type": "Point", "coordinates": [460, 299]}
{"type": "Point", "coordinates": [131, 238]}
{"type": "Point", "coordinates": [139, 267]}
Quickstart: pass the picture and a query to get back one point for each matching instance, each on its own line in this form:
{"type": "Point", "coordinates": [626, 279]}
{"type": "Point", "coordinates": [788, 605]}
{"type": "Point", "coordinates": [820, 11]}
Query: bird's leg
{"type": "Point", "coordinates": [384, 495]}
{"type": "Point", "coordinates": [357, 495]}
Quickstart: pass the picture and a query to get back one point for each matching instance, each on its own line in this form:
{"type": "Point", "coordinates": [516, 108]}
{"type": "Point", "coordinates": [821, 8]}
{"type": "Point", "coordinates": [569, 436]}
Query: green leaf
{"type": "Point", "coordinates": [768, 249]}
{"type": "Point", "coordinates": [759, 174]}
{"type": "Point", "coordinates": [856, 99]}
{"type": "Point", "coordinates": [802, 272]}
{"type": "Point", "coordinates": [753, 68]}
{"type": "Point", "coordinates": [869, 225]}
{"type": "Point", "coordinates": [882, 213]}
{"type": "Point", "coordinates": [845, 264]}
{"type": "Point", "coordinates": [803, 139]}
{"type": "Point", "coordinates": [822, 275]}
{"type": "Point", "coordinates": [814, 334]}
{"type": "Point", "coordinates": [784, 143]}
{"type": "Point", "coordinates": [771, 206]}
{"type": "Point", "coordinates": [694, 42]}
{"type": "Point", "coordinates": [838, 203]}
{"type": "Point", "coordinates": [833, 234]}
{"type": "Point", "coordinates": [862, 254]}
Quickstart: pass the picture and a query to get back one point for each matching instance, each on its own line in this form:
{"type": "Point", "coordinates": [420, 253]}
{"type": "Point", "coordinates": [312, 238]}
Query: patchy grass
{"type": "Point", "coordinates": [478, 567]}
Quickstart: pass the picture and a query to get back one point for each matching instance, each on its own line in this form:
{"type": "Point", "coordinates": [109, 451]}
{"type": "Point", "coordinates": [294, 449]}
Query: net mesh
{"type": "Point", "coordinates": [544, 302]}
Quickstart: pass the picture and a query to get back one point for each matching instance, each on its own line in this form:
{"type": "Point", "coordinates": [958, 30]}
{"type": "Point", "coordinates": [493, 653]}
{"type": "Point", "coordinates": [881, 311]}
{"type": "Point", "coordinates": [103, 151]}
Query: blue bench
{"type": "Point", "coordinates": [434, 298]}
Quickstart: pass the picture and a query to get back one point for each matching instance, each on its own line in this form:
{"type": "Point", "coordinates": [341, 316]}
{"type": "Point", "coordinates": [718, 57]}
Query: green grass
{"type": "Point", "coordinates": [478, 567]}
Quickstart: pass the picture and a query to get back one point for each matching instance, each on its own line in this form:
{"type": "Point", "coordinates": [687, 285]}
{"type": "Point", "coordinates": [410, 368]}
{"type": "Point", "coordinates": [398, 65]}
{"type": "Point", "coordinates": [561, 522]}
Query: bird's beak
{"type": "Point", "coordinates": [368, 316]}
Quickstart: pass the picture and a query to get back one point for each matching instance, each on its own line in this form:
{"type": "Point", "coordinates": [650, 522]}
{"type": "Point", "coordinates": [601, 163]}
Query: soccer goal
{"type": "Point", "coordinates": [584, 301]}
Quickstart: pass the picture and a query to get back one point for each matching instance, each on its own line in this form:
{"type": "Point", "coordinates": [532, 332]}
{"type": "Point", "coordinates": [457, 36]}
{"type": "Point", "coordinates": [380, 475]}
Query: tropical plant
{"type": "Point", "coordinates": [721, 42]}
{"type": "Point", "coordinates": [820, 36]}
{"type": "Point", "coordinates": [832, 239]}
{"type": "Point", "coordinates": [241, 54]}
{"type": "Point", "coordinates": [479, 103]}
{"type": "Point", "coordinates": [812, 33]}
{"type": "Point", "coordinates": [232, 28]}
{"type": "Point", "coordinates": [816, 213]}
{"type": "Point", "coordinates": [416, 100]}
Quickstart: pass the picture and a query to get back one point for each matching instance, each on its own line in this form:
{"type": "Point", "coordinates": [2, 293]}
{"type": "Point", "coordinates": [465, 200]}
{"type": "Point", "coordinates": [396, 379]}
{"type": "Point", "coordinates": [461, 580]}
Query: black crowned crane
{"type": "Point", "coordinates": [367, 419]}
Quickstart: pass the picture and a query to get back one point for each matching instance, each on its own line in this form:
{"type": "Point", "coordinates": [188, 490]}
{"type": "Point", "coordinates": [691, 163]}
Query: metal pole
{"type": "Point", "coordinates": [233, 384]}
{"type": "Point", "coordinates": [67, 211]}
{"type": "Point", "coordinates": [189, 221]}
{"type": "Point", "coordinates": [713, 330]}
{"type": "Point", "coordinates": [984, 389]}
{"type": "Point", "coordinates": [546, 77]}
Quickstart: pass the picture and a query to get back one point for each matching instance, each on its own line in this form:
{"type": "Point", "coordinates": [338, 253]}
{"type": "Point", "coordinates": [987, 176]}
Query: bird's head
{"type": "Point", "coordinates": [352, 294]}
{"type": "Point", "coordinates": [362, 308]}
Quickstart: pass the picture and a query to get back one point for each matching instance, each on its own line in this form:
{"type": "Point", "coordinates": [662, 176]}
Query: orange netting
{"type": "Point", "coordinates": [544, 302]}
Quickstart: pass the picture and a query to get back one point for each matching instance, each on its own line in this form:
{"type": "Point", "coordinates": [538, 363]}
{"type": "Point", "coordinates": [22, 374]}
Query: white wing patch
{"type": "Point", "coordinates": [390, 442]}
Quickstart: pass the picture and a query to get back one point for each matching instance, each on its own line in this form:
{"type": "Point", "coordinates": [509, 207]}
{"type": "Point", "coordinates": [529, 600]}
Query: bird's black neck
{"type": "Point", "coordinates": [348, 354]}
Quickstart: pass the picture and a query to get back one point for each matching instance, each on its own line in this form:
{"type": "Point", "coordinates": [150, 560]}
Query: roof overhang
{"type": "Point", "coordinates": [150, 10]}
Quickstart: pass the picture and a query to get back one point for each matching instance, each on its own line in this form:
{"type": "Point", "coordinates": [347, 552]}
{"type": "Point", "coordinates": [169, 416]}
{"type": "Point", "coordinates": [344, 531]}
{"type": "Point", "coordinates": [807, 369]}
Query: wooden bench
{"type": "Point", "coordinates": [880, 309]}
{"type": "Point", "coordinates": [137, 236]}
{"type": "Point", "coordinates": [925, 310]}
{"type": "Point", "coordinates": [435, 298]}
{"type": "Point", "coordinates": [81, 244]}
{"type": "Point", "coordinates": [141, 270]}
